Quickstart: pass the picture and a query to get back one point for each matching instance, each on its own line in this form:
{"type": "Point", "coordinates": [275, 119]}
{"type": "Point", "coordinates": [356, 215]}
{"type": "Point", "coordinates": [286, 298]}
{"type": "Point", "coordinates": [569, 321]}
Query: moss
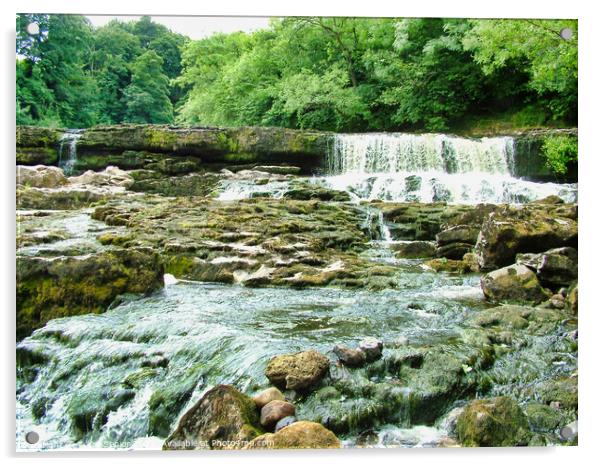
{"type": "Point", "coordinates": [240, 157]}
{"type": "Point", "coordinates": [114, 239]}
{"type": "Point", "coordinates": [36, 156]}
{"type": "Point", "coordinates": [73, 286]}
{"type": "Point", "coordinates": [167, 401]}
{"type": "Point", "coordinates": [496, 422]}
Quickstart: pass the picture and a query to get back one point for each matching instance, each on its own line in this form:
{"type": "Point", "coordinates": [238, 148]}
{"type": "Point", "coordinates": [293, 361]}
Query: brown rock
{"type": "Point", "coordinates": [350, 357]}
{"type": "Point", "coordinates": [302, 434]}
{"type": "Point", "coordinates": [267, 395]}
{"type": "Point", "coordinates": [275, 410]}
{"type": "Point", "coordinates": [223, 419]}
{"type": "Point", "coordinates": [297, 371]}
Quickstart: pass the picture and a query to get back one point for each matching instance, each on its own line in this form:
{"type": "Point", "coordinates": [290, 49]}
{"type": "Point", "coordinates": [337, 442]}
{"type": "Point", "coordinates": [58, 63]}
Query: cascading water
{"type": "Point", "coordinates": [430, 168]}
{"type": "Point", "coordinates": [68, 150]}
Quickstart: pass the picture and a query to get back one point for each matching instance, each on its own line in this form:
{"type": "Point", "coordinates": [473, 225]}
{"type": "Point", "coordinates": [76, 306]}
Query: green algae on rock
{"type": "Point", "coordinates": [66, 286]}
{"type": "Point", "coordinates": [222, 419]}
{"type": "Point", "coordinates": [495, 422]}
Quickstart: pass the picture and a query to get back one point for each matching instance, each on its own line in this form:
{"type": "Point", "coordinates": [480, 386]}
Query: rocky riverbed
{"type": "Point", "coordinates": [257, 307]}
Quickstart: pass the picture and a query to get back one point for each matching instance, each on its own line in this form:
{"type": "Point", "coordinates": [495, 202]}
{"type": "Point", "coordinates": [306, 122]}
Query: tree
{"type": "Point", "coordinates": [550, 60]}
{"type": "Point", "coordinates": [147, 96]}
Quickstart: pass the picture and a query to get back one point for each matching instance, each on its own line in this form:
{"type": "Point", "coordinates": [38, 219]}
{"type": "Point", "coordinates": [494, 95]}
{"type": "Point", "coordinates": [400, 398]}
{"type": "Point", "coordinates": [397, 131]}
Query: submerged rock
{"type": "Point", "coordinates": [301, 434]}
{"type": "Point", "coordinates": [223, 419]}
{"type": "Point", "coordinates": [284, 422]}
{"type": "Point", "coordinates": [494, 422]}
{"type": "Point", "coordinates": [515, 283]}
{"type": "Point", "coordinates": [297, 371]}
{"type": "Point", "coordinates": [274, 411]}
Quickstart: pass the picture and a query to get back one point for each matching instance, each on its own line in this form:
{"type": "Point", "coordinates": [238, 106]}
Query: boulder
{"type": "Point", "coordinates": [515, 283]}
{"type": "Point", "coordinates": [267, 395]}
{"type": "Point", "coordinates": [372, 347]}
{"type": "Point", "coordinates": [223, 419]}
{"type": "Point", "coordinates": [40, 176]}
{"type": "Point", "coordinates": [67, 286]}
{"type": "Point", "coordinates": [458, 234]}
{"type": "Point", "coordinates": [301, 434]}
{"type": "Point", "coordinates": [350, 357]}
{"type": "Point", "coordinates": [297, 371]}
{"type": "Point", "coordinates": [110, 176]}
{"type": "Point", "coordinates": [494, 422]}
{"type": "Point", "coordinates": [274, 411]}
{"type": "Point", "coordinates": [528, 228]}
{"type": "Point", "coordinates": [414, 249]}
{"type": "Point", "coordinates": [454, 251]}
{"type": "Point", "coordinates": [556, 267]}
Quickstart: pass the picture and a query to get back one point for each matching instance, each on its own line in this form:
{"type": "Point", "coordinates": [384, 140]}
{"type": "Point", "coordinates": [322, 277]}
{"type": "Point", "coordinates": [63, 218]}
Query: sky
{"type": "Point", "coordinates": [195, 27]}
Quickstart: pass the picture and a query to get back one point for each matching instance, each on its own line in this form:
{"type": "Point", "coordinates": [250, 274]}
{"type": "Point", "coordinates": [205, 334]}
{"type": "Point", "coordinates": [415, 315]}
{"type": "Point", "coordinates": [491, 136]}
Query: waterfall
{"type": "Point", "coordinates": [69, 141]}
{"type": "Point", "coordinates": [391, 153]}
{"type": "Point", "coordinates": [431, 168]}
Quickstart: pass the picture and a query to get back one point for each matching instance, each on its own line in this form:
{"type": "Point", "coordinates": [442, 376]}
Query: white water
{"type": "Point", "coordinates": [431, 168]}
{"type": "Point", "coordinates": [69, 141]}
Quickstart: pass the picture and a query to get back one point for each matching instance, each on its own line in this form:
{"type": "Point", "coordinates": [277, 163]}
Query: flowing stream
{"type": "Point", "coordinates": [122, 379]}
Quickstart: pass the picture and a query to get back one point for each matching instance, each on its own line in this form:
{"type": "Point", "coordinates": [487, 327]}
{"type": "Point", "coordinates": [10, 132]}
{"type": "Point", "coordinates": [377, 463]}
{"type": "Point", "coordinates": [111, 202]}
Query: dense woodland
{"type": "Point", "coordinates": [341, 74]}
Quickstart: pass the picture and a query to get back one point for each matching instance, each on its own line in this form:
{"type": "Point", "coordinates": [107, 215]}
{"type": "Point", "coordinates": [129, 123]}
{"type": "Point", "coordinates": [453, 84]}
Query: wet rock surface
{"type": "Point", "coordinates": [301, 434]}
{"type": "Point", "coordinates": [299, 371]}
{"type": "Point", "coordinates": [515, 283]}
{"type": "Point", "coordinates": [222, 419]}
{"type": "Point", "coordinates": [493, 422]}
{"type": "Point", "coordinates": [438, 344]}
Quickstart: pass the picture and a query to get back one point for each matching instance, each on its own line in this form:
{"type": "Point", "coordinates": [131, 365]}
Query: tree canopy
{"type": "Point", "coordinates": [340, 74]}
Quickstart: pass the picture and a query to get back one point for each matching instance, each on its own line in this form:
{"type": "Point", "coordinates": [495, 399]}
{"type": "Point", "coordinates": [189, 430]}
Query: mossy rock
{"type": "Point", "coordinates": [494, 422]}
{"type": "Point", "coordinates": [544, 418]}
{"type": "Point", "coordinates": [223, 418]}
{"type": "Point", "coordinates": [37, 156]}
{"type": "Point", "coordinates": [66, 286]}
{"type": "Point", "coordinates": [298, 435]}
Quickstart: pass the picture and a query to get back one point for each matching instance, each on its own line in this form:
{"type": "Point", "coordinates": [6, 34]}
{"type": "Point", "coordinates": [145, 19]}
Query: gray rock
{"type": "Point", "coordinates": [556, 267]}
{"type": "Point", "coordinates": [284, 422]}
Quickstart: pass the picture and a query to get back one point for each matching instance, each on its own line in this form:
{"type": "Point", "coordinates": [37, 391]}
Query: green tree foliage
{"type": "Point", "coordinates": [340, 74]}
{"type": "Point", "coordinates": [361, 74]}
{"type": "Point", "coordinates": [550, 60]}
{"type": "Point", "coordinates": [560, 153]}
{"type": "Point", "coordinates": [76, 76]}
{"type": "Point", "coordinates": [147, 96]}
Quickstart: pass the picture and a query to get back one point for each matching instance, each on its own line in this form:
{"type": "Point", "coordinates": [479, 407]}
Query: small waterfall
{"type": "Point", "coordinates": [392, 153]}
{"type": "Point", "coordinates": [68, 144]}
{"type": "Point", "coordinates": [431, 168]}
{"type": "Point", "coordinates": [374, 225]}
